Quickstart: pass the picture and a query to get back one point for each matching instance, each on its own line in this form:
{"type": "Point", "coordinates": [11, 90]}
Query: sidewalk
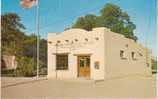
{"type": "Point", "coordinates": [14, 81]}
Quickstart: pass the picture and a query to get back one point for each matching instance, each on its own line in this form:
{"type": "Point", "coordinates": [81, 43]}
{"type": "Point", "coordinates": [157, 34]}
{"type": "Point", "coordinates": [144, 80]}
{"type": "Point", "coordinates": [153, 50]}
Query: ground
{"type": "Point", "coordinates": [131, 87]}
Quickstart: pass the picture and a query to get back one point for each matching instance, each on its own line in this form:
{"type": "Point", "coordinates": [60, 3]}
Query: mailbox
{"type": "Point", "coordinates": [96, 64]}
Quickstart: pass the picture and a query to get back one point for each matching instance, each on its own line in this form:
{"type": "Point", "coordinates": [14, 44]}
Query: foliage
{"type": "Point", "coordinates": [7, 73]}
{"type": "Point", "coordinates": [26, 66]}
{"type": "Point", "coordinates": [153, 64]}
{"type": "Point", "coordinates": [87, 22]}
{"type": "Point", "coordinates": [111, 17]}
{"type": "Point", "coordinates": [24, 47]}
{"type": "Point", "coordinates": [43, 56]}
{"type": "Point", "coordinates": [11, 34]}
{"type": "Point", "coordinates": [29, 44]}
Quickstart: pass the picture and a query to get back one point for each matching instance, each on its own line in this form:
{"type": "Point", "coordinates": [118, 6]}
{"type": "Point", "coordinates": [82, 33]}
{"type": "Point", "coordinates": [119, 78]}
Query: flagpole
{"type": "Point", "coordinates": [37, 31]}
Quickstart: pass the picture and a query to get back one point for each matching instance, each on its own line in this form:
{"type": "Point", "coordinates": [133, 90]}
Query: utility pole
{"type": "Point", "coordinates": [37, 31]}
{"type": "Point", "coordinates": [14, 59]}
{"type": "Point", "coordinates": [56, 59]}
{"type": "Point", "coordinates": [26, 4]}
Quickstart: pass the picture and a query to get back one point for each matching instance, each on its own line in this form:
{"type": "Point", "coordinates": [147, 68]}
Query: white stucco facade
{"type": "Point", "coordinates": [103, 47]}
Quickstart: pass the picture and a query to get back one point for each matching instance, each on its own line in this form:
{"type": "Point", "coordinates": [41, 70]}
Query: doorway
{"type": "Point", "coordinates": [83, 66]}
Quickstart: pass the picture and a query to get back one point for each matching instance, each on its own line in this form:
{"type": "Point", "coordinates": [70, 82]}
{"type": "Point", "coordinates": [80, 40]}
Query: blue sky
{"type": "Point", "coordinates": [56, 15]}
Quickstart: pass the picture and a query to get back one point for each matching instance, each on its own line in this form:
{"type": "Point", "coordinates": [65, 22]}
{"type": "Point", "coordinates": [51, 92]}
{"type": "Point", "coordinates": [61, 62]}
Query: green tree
{"type": "Point", "coordinates": [153, 64]}
{"type": "Point", "coordinates": [87, 22]}
{"type": "Point", "coordinates": [30, 46]}
{"type": "Point", "coordinates": [11, 34]}
{"type": "Point", "coordinates": [26, 66]}
{"type": "Point", "coordinates": [25, 46]}
{"type": "Point", "coordinates": [43, 56]}
{"type": "Point", "coordinates": [111, 17]}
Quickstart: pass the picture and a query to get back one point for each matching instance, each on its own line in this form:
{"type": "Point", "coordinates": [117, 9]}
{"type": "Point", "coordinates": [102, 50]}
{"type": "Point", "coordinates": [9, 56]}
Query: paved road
{"type": "Point", "coordinates": [133, 87]}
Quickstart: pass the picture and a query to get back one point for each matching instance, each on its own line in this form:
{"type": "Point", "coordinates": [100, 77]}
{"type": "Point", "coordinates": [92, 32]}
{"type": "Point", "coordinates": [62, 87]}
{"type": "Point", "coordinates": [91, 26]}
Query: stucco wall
{"type": "Point", "coordinates": [105, 50]}
{"type": "Point", "coordinates": [93, 47]}
{"type": "Point", "coordinates": [118, 67]}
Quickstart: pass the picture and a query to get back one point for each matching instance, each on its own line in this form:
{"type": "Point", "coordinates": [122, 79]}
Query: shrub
{"type": "Point", "coordinates": [154, 65]}
{"type": "Point", "coordinates": [26, 66]}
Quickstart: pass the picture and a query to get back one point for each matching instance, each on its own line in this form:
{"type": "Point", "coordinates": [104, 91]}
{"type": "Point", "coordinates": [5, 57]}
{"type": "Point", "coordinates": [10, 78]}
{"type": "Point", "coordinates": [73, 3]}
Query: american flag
{"type": "Point", "coordinates": [28, 3]}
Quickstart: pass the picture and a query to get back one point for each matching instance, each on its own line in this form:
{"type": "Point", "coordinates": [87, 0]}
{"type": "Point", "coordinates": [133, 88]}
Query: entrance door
{"type": "Point", "coordinates": [83, 66]}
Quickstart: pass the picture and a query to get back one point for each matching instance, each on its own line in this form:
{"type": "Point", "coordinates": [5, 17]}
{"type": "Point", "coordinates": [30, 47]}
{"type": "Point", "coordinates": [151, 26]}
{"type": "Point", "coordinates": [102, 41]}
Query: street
{"type": "Point", "coordinates": [133, 87]}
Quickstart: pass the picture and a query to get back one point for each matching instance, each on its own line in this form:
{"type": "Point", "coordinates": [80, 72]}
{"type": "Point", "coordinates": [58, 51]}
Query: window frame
{"type": "Point", "coordinates": [58, 62]}
{"type": "Point", "coordinates": [133, 55]}
{"type": "Point", "coordinates": [122, 54]}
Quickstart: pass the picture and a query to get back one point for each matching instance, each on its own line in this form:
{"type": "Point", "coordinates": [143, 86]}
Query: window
{"type": "Point", "coordinates": [147, 64]}
{"type": "Point", "coordinates": [82, 62]}
{"type": "Point", "coordinates": [85, 62]}
{"type": "Point", "coordinates": [122, 54]}
{"type": "Point", "coordinates": [62, 62]}
{"type": "Point", "coordinates": [88, 61]}
{"type": "Point", "coordinates": [133, 54]}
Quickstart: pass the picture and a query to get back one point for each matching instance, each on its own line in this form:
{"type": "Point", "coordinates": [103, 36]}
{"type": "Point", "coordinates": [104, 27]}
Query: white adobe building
{"type": "Point", "coordinates": [98, 54]}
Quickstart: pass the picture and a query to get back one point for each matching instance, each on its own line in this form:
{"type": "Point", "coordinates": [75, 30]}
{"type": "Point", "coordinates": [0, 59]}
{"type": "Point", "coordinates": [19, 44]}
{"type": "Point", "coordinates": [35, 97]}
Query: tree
{"type": "Point", "coordinates": [154, 64]}
{"type": "Point", "coordinates": [43, 57]}
{"type": "Point", "coordinates": [14, 40]}
{"type": "Point", "coordinates": [30, 47]}
{"type": "Point", "coordinates": [87, 22]}
{"type": "Point", "coordinates": [11, 34]}
{"type": "Point", "coordinates": [111, 17]}
{"type": "Point", "coordinates": [26, 66]}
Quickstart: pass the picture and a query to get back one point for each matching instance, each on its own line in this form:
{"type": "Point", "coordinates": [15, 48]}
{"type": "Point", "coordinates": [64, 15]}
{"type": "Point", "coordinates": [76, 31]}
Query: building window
{"type": "Point", "coordinates": [147, 64]}
{"type": "Point", "coordinates": [62, 62]}
{"type": "Point", "coordinates": [122, 54]}
{"type": "Point", "coordinates": [133, 54]}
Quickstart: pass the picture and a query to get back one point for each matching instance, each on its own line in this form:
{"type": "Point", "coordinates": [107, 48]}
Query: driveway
{"type": "Point", "coordinates": [132, 87]}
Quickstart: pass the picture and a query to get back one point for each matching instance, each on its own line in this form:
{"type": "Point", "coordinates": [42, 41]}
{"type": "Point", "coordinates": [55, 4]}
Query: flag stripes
{"type": "Point", "coordinates": [28, 3]}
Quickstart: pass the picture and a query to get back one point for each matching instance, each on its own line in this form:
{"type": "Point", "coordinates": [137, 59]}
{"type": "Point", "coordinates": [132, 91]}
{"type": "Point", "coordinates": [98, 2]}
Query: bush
{"type": "Point", "coordinates": [42, 68]}
{"type": "Point", "coordinates": [154, 65]}
{"type": "Point", "coordinates": [7, 73]}
{"type": "Point", "coordinates": [26, 67]}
